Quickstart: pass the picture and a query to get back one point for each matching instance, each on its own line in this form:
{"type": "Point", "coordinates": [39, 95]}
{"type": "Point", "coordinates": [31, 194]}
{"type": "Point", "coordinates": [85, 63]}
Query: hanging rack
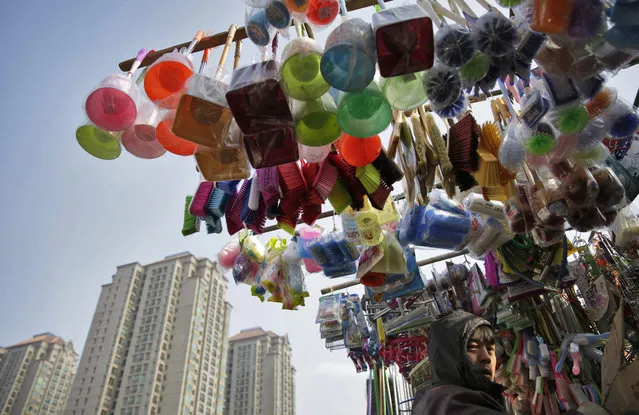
{"type": "Point", "coordinates": [220, 38]}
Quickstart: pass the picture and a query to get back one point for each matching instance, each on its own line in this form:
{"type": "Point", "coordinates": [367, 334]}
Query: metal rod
{"type": "Point", "coordinates": [220, 38]}
{"type": "Point", "coordinates": [431, 260]}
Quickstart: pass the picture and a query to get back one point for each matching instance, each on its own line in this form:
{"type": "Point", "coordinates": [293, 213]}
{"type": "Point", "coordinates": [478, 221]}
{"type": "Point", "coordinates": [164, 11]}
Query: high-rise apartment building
{"type": "Point", "coordinates": [157, 342]}
{"type": "Point", "coordinates": [260, 376]}
{"type": "Point", "coordinates": [36, 375]}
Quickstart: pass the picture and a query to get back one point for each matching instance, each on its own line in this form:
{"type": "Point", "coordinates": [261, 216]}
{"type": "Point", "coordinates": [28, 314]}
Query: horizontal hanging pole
{"type": "Point", "coordinates": [431, 260]}
{"type": "Point", "coordinates": [220, 38]}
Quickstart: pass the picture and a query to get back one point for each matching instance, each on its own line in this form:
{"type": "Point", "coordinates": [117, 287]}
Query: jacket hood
{"type": "Point", "coordinates": [447, 353]}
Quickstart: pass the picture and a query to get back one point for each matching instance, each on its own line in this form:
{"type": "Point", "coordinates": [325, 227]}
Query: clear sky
{"type": "Point", "coordinates": [68, 219]}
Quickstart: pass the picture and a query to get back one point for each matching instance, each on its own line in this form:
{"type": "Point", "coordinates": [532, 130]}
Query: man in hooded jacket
{"type": "Point", "coordinates": [461, 350]}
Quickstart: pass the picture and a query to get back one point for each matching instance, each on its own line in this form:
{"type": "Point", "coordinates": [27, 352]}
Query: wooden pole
{"type": "Point", "coordinates": [220, 38]}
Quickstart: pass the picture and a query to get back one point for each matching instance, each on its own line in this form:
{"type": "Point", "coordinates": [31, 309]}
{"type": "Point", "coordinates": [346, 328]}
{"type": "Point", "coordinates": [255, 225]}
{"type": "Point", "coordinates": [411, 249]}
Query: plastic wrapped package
{"type": "Point", "coordinates": [353, 337]}
{"type": "Point", "coordinates": [626, 226]}
{"type": "Point", "coordinates": [561, 89]}
{"type": "Point", "coordinates": [625, 177]}
{"type": "Point", "coordinates": [475, 203]}
{"type": "Point", "coordinates": [112, 105]}
{"type": "Point", "coordinates": [454, 45]}
{"type": "Point", "coordinates": [534, 107]}
{"type": "Point", "coordinates": [577, 183]}
{"type": "Point", "coordinates": [612, 194]}
{"type": "Point", "coordinates": [291, 254]}
{"type": "Point", "coordinates": [405, 92]}
{"type": "Point", "coordinates": [409, 224]}
{"type": "Point", "coordinates": [494, 34]}
{"type": "Point", "coordinates": [202, 115]}
{"type": "Point", "coordinates": [545, 237]}
{"type": "Point", "coordinates": [301, 75]}
{"type": "Point", "coordinates": [331, 329]}
{"type": "Point", "coordinates": [519, 214]}
{"type": "Point", "coordinates": [602, 102]}
{"type": "Point", "coordinates": [592, 134]}
{"type": "Point", "coordinates": [393, 261]}
{"type": "Point", "coordinates": [329, 309]}
{"type": "Point", "coordinates": [404, 40]}
{"type": "Point", "coordinates": [257, 99]}
{"type": "Point", "coordinates": [307, 236]}
{"type": "Point", "coordinates": [548, 202]}
{"type": "Point", "coordinates": [245, 270]}
{"type": "Point", "coordinates": [322, 12]}
{"type": "Point", "coordinates": [570, 119]}
{"type": "Point", "coordinates": [229, 253]}
{"type": "Point", "coordinates": [591, 157]}
{"type": "Point", "coordinates": [622, 119]}
{"type": "Point", "coordinates": [349, 225]}
{"type": "Point", "coordinates": [442, 229]}
{"type": "Point", "coordinates": [348, 62]}
{"type": "Point", "coordinates": [252, 247]}
{"type": "Point", "coordinates": [277, 14]}
{"type": "Point", "coordinates": [512, 153]}
{"type": "Point", "coordinates": [587, 217]}
{"type": "Point", "coordinates": [438, 199]}
{"type": "Point", "coordinates": [586, 18]}
{"type": "Point", "coordinates": [541, 140]}
{"type": "Point", "coordinates": [491, 235]}
{"type": "Point", "coordinates": [270, 275]}
{"type": "Point", "coordinates": [370, 231]}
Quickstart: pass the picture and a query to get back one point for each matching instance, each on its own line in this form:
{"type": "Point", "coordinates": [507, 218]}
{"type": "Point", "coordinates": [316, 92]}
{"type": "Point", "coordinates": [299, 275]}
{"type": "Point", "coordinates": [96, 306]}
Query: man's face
{"type": "Point", "coordinates": [482, 356]}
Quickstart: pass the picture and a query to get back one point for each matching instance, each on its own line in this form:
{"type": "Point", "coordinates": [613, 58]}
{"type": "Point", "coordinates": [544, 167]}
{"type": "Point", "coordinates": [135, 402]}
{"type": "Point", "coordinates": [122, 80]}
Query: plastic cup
{"type": "Point", "coordinates": [622, 119]}
{"type": "Point", "coordinates": [349, 59]}
{"type": "Point", "coordinates": [257, 99]}
{"type": "Point", "coordinates": [257, 27]}
{"type": "Point", "coordinates": [405, 92]}
{"type": "Point", "coordinates": [313, 154]}
{"type": "Point", "coordinates": [140, 139]}
{"type": "Point", "coordinates": [316, 121]}
{"type": "Point", "coordinates": [165, 81]}
{"type": "Point", "coordinates": [272, 147]}
{"type": "Point", "coordinates": [359, 152]}
{"type": "Point", "coordinates": [112, 105]}
{"type": "Point", "coordinates": [301, 75]}
{"type": "Point", "coordinates": [322, 12]}
{"type": "Point", "coordinates": [170, 141]}
{"type": "Point", "coordinates": [365, 113]}
{"type": "Point", "coordinates": [298, 6]}
{"type": "Point", "coordinates": [99, 143]}
{"type": "Point", "coordinates": [404, 38]}
{"type": "Point", "coordinates": [203, 116]}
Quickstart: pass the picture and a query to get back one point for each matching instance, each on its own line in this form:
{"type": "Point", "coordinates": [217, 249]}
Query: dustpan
{"type": "Point", "coordinates": [349, 59]}
{"type": "Point", "coordinates": [99, 143]}
{"type": "Point", "coordinates": [404, 37]}
{"type": "Point", "coordinates": [203, 116]}
{"type": "Point", "coordinates": [257, 99]}
{"type": "Point", "coordinates": [165, 81]}
{"type": "Point", "coordinates": [140, 139]}
{"type": "Point", "coordinates": [224, 162]}
{"type": "Point", "coordinates": [301, 75]}
{"type": "Point", "coordinates": [364, 113]}
{"type": "Point", "coordinates": [112, 105]}
{"type": "Point", "coordinates": [316, 121]}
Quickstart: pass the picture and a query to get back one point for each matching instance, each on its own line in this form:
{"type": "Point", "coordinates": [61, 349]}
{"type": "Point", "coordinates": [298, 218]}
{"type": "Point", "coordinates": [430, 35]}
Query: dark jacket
{"type": "Point", "coordinates": [460, 388]}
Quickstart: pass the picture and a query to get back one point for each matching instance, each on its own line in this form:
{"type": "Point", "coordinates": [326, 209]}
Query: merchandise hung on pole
{"type": "Point", "coordinates": [539, 197]}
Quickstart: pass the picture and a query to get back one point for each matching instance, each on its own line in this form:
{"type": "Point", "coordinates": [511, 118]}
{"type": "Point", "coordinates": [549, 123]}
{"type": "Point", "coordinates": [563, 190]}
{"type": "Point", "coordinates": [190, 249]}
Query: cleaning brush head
{"type": "Point", "coordinates": [390, 171]}
{"type": "Point", "coordinates": [216, 205]}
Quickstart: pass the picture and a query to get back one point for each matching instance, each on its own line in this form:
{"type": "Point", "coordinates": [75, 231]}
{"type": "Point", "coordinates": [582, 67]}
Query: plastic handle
{"type": "Point", "coordinates": [138, 60]}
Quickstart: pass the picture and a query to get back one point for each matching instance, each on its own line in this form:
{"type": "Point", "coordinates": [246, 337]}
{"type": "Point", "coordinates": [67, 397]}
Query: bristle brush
{"type": "Point", "coordinates": [347, 174]}
{"type": "Point", "coordinates": [229, 186]}
{"type": "Point", "coordinates": [339, 197]}
{"type": "Point", "coordinates": [390, 171]}
{"type": "Point", "coordinates": [234, 209]}
{"type": "Point", "coordinates": [380, 195]}
{"type": "Point", "coordinates": [216, 205]}
{"type": "Point", "coordinates": [191, 223]}
{"type": "Point", "coordinates": [324, 180]}
{"type": "Point", "coordinates": [201, 197]}
{"type": "Point", "coordinates": [251, 202]}
{"type": "Point", "coordinates": [259, 218]}
{"type": "Point", "coordinates": [213, 224]}
{"type": "Point", "coordinates": [369, 177]}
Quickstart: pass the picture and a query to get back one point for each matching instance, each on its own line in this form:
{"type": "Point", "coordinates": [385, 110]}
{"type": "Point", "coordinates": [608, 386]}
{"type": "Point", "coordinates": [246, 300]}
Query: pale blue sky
{"type": "Point", "coordinates": [69, 219]}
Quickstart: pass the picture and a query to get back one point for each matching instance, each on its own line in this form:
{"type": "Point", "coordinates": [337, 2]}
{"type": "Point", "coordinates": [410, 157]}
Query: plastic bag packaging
{"type": "Point", "coordinates": [548, 203]}
{"type": "Point", "coordinates": [551, 16]}
{"type": "Point", "coordinates": [494, 34]}
{"type": "Point", "coordinates": [475, 203]}
{"type": "Point", "coordinates": [577, 183]}
{"type": "Point", "coordinates": [307, 236]}
{"type": "Point", "coordinates": [316, 121]}
{"type": "Point", "coordinates": [622, 119]}
{"type": "Point", "coordinates": [252, 247]}
{"type": "Point", "coordinates": [442, 229]}
{"type": "Point", "coordinates": [492, 235]}
{"type": "Point", "coordinates": [626, 226]}
{"type": "Point", "coordinates": [593, 156]}
{"type": "Point", "coordinates": [229, 253]}
{"type": "Point", "coordinates": [534, 107]}
{"type": "Point", "coordinates": [322, 13]}
{"type": "Point", "coordinates": [393, 261]}
{"type": "Point", "coordinates": [443, 86]}
{"type": "Point", "coordinates": [273, 147]}
{"type": "Point", "coordinates": [270, 275]}
{"type": "Point", "coordinates": [545, 237]}
{"type": "Point", "coordinates": [592, 134]}
{"type": "Point", "coordinates": [586, 217]}
{"type": "Point", "coordinates": [329, 308]}
{"type": "Point", "coordinates": [512, 153]}
{"type": "Point", "coordinates": [404, 37]}
{"type": "Point", "coordinates": [519, 214]}
{"type": "Point", "coordinates": [330, 329]}
{"type": "Point", "coordinates": [353, 337]}
{"type": "Point", "coordinates": [408, 226]}
{"type": "Point", "coordinates": [612, 195]}
{"type": "Point", "coordinates": [258, 29]}
{"type": "Point", "coordinates": [439, 200]}
{"type": "Point", "coordinates": [291, 254]}
{"type": "Point", "coordinates": [245, 270]}
{"type": "Point", "coordinates": [277, 14]}
{"type": "Point", "coordinates": [224, 162]}
{"type": "Point", "coordinates": [561, 90]}
{"type": "Point", "coordinates": [257, 99]}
